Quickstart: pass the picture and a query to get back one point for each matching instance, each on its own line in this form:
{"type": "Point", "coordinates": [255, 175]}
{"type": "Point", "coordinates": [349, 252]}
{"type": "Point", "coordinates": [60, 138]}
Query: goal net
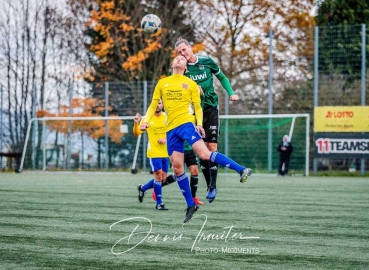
{"type": "Point", "coordinates": [107, 143]}
{"type": "Point", "coordinates": [252, 140]}
{"type": "Point", "coordinates": [79, 143]}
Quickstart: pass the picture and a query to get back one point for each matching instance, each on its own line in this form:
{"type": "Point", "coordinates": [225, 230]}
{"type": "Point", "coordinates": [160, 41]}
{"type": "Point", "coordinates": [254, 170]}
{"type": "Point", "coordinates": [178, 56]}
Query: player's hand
{"type": "Point", "coordinates": [234, 98]}
{"type": "Point", "coordinates": [162, 141]}
{"type": "Point", "coordinates": [144, 126]}
{"type": "Point", "coordinates": [137, 118]}
{"type": "Point", "coordinates": [201, 130]}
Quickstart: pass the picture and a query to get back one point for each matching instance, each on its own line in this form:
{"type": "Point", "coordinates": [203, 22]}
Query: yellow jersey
{"type": "Point", "coordinates": [156, 131]}
{"type": "Point", "coordinates": [181, 100]}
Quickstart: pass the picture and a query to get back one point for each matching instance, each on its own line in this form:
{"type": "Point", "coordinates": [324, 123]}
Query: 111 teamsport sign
{"type": "Point", "coordinates": [341, 131]}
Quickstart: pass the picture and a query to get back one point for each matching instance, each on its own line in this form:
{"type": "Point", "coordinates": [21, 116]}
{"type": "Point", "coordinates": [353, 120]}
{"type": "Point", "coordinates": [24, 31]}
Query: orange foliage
{"type": "Point", "coordinates": [107, 12]}
{"type": "Point", "coordinates": [134, 62]}
{"type": "Point", "coordinates": [198, 47]}
{"type": "Point", "coordinates": [84, 107]}
{"type": "Point", "coordinates": [113, 42]}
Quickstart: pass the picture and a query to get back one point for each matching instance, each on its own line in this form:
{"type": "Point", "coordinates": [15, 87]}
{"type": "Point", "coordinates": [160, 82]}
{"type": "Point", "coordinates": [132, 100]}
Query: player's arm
{"type": "Point", "coordinates": [136, 126]}
{"type": "Point", "coordinates": [215, 70]}
{"type": "Point", "coordinates": [226, 85]}
{"type": "Point", "coordinates": [196, 101]}
{"type": "Point", "coordinates": [198, 113]}
{"type": "Point", "coordinates": [199, 118]}
{"type": "Point", "coordinates": [151, 110]}
{"type": "Point", "coordinates": [149, 113]}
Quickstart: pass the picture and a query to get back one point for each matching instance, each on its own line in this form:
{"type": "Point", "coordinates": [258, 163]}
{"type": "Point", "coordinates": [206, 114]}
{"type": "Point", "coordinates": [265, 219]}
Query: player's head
{"type": "Point", "coordinates": [285, 138]}
{"type": "Point", "coordinates": [159, 107]}
{"type": "Point", "coordinates": [179, 64]}
{"type": "Point", "coordinates": [184, 48]}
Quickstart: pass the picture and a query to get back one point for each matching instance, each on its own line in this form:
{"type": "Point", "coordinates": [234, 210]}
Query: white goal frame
{"type": "Point", "coordinates": [256, 116]}
{"type": "Point", "coordinates": [44, 119]}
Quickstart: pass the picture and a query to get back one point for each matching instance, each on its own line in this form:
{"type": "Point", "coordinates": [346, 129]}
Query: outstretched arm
{"type": "Point", "coordinates": [226, 85]}
{"type": "Point", "coordinates": [199, 119]}
{"type": "Point", "coordinates": [149, 113]}
{"type": "Point", "coordinates": [136, 126]}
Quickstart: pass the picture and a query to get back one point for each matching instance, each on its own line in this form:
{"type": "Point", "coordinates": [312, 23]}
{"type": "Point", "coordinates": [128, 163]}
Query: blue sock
{"type": "Point", "coordinates": [225, 161]}
{"type": "Point", "coordinates": [184, 186]}
{"type": "Point", "coordinates": [157, 190]}
{"type": "Point", "coordinates": [148, 185]}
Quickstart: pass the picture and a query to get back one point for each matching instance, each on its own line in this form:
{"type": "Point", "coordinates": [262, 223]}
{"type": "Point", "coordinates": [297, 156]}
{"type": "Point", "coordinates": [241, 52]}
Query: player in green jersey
{"type": "Point", "coordinates": [201, 69]}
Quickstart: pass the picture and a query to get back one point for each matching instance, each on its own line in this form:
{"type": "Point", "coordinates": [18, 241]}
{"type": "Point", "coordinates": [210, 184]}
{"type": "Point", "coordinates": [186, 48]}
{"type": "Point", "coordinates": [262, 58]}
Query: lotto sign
{"type": "Point", "coordinates": [333, 145]}
{"type": "Point", "coordinates": [341, 119]}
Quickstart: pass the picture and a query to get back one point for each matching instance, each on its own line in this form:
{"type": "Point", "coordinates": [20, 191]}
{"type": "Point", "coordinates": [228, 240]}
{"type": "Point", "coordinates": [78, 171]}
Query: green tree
{"type": "Point", "coordinates": [340, 42]}
{"type": "Point", "coordinates": [337, 12]}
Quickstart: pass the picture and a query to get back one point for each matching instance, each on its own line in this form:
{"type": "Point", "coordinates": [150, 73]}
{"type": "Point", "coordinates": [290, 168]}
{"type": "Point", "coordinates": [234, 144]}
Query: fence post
{"type": "Point", "coordinates": [363, 81]}
{"type": "Point", "coordinates": [69, 149]}
{"type": "Point", "coordinates": [226, 126]}
{"type": "Point", "coordinates": [33, 145]}
{"type": "Point", "coordinates": [1, 124]}
{"type": "Point", "coordinates": [144, 159]}
{"type": "Point", "coordinates": [316, 85]}
{"type": "Point", "coordinates": [270, 102]}
{"type": "Point", "coordinates": [106, 126]}
{"type": "Point", "coordinates": [44, 145]}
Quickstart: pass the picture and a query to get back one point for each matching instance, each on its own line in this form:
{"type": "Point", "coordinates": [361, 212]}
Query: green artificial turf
{"type": "Point", "coordinates": [73, 220]}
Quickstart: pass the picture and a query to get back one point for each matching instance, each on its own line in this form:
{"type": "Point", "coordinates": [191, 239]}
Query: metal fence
{"type": "Point", "coordinates": [340, 76]}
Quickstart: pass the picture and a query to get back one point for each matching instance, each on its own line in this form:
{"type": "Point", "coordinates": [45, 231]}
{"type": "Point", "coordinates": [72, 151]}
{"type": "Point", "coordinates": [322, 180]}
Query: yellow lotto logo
{"type": "Point", "coordinates": [341, 119]}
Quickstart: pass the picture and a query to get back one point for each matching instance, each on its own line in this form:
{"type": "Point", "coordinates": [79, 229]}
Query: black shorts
{"type": "Point", "coordinates": [190, 158]}
{"type": "Point", "coordinates": [211, 124]}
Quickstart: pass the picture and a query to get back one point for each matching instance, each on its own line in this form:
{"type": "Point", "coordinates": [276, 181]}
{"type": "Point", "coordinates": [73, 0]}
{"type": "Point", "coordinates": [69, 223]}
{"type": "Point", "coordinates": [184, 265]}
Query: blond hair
{"type": "Point", "coordinates": [181, 40]}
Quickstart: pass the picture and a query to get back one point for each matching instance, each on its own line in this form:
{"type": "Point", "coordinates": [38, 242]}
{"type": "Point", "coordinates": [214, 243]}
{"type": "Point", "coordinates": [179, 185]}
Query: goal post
{"type": "Point", "coordinates": [79, 144]}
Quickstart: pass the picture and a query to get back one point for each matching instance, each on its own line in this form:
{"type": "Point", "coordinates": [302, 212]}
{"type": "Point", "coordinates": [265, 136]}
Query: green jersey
{"type": "Point", "coordinates": [187, 146]}
{"type": "Point", "coordinates": [202, 71]}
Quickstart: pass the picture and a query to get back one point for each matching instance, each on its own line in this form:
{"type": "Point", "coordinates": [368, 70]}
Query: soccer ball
{"type": "Point", "coordinates": [151, 23]}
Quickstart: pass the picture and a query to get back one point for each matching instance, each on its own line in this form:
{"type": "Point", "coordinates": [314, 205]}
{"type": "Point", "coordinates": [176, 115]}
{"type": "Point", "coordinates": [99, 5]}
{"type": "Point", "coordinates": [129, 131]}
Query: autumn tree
{"type": "Point", "coordinates": [235, 33]}
{"type": "Point", "coordinates": [120, 51]}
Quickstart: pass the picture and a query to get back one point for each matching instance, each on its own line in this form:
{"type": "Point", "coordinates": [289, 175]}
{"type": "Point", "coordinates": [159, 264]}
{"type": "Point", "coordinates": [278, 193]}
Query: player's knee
{"type": "Point", "coordinates": [178, 172]}
{"type": "Point", "coordinates": [178, 169]}
{"type": "Point", "coordinates": [213, 147]}
{"type": "Point", "coordinates": [204, 155]}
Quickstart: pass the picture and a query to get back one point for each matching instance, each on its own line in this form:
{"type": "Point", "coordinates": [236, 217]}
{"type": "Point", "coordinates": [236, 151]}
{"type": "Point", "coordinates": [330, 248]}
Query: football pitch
{"type": "Point", "coordinates": [94, 221]}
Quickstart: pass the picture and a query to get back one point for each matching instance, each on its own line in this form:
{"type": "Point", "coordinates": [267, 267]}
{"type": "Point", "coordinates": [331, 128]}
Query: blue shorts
{"type": "Point", "coordinates": [157, 164]}
{"type": "Point", "coordinates": [177, 137]}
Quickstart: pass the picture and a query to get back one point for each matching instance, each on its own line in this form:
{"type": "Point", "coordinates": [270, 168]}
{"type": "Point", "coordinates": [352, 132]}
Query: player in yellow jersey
{"type": "Point", "coordinates": [156, 152]}
{"type": "Point", "coordinates": [181, 98]}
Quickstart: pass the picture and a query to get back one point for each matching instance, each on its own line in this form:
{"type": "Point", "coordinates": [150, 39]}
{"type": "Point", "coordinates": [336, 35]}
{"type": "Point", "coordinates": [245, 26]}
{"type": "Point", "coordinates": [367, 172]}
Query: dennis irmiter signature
{"type": "Point", "coordinates": [148, 236]}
